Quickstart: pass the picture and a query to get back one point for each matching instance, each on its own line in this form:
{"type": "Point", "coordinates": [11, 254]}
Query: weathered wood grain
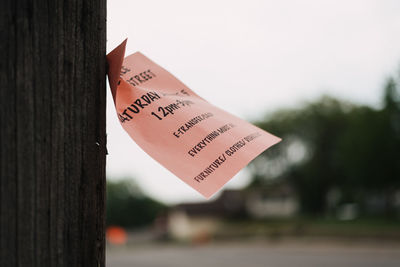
{"type": "Point", "coordinates": [52, 134]}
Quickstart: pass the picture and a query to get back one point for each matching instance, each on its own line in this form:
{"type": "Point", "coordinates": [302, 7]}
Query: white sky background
{"type": "Point", "coordinates": [249, 58]}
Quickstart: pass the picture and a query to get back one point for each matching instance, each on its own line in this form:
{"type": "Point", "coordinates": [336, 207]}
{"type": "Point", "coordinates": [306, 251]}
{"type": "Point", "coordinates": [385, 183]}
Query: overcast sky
{"type": "Point", "coordinates": [249, 58]}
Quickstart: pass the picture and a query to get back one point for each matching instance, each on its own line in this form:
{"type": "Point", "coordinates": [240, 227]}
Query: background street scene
{"type": "Point", "coordinates": [260, 254]}
{"type": "Point", "coordinates": [323, 76]}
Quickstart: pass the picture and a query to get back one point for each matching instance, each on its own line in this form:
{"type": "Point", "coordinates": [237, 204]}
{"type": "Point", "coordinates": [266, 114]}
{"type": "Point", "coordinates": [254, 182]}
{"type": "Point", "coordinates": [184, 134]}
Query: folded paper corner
{"type": "Point", "coordinates": [114, 60]}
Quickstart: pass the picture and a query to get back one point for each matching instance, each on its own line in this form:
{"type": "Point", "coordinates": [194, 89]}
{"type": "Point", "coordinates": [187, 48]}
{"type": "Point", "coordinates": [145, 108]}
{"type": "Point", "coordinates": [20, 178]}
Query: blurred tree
{"type": "Point", "coordinates": [127, 206]}
{"type": "Point", "coordinates": [335, 144]}
{"type": "Point", "coordinates": [369, 150]}
{"type": "Point", "coordinates": [306, 157]}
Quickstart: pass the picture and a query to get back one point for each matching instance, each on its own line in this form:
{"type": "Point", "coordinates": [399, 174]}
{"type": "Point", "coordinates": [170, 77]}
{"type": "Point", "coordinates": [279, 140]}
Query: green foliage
{"type": "Point", "coordinates": [334, 144]}
{"type": "Point", "coordinates": [128, 207]}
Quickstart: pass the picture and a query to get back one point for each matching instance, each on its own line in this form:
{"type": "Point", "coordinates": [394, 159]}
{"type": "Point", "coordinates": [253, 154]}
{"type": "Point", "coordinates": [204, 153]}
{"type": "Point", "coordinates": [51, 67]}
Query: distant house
{"type": "Point", "coordinates": [198, 221]}
{"type": "Point", "coordinates": [193, 221]}
{"type": "Point", "coordinates": [274, 201]}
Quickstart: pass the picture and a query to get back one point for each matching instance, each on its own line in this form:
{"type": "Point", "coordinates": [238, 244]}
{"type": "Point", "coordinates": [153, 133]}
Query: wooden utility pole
{"type": "Point", "coordinates": [52, 132]}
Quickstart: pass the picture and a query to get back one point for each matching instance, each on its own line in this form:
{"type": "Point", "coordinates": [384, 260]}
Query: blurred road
{"type": "Point", "coordinates": [282, 254]}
